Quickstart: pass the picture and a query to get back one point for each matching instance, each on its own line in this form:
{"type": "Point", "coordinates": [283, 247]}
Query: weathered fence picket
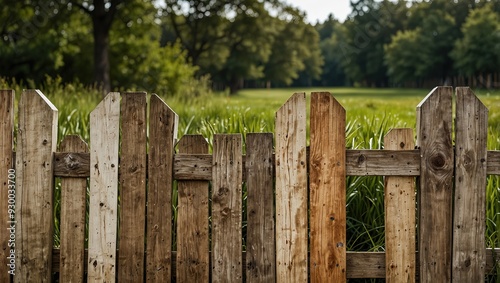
{"type": "Point", "coordinates": [193, 215]}
{"type": "Point", "coordinates": [327, 185]}
{"type": "Point", "coordinates": [7, 192]}
{"type": "Point", "coordinates": [291, 191]}
{"type": "Point", "coordinates": [36, 143]}
{"type": "Point", "coordinates": [399, 204]}
{"type": "Point", "coordinates": [132, 172]}
{"type": "Point", "coordinates": [162, 137]}
{"type": "Point", "coordinates": [260, 256]}
{"type": "Point", "coordinates": [73, 205]}
{"type": "Point", "coordinates": [469, 217]}
{"type": "Point", "coordinates": [294, 232]}
{"type": "Point", "coordinates": [227, 209]}
{"type": "Point", "coordinates": [103, 203]}
{"type": "Point", "coordinates": [434, 130]}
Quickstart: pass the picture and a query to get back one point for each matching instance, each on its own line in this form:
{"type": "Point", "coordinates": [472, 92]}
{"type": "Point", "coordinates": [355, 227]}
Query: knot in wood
{"type": "Point", "coordinates": [438, 161]}
{"type": "Point", "coordinates": [71, 162]}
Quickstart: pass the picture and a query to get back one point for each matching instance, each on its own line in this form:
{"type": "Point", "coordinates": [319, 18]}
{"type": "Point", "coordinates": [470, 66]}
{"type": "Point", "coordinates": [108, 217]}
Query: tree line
{"type": "Point", "coordinates": [182, 46]}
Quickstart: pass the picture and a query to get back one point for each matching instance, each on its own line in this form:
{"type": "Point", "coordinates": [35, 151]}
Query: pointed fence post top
{"type": "Point", "coordinates": [36, 95]}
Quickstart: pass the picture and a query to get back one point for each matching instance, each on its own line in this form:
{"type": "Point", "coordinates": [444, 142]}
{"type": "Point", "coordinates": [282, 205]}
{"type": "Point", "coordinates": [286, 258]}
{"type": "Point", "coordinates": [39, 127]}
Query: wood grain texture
{"type": "Point", "coordinates": [400, 221]}
{"type": "Point", "coordinates": [359, 264]}
{"type": "Point", "coordinates": [260, 244]}
{"type": "Point", "coordinates": [193, 258]}
{"type": "Point", "coordinates": [8, 185]}
{"type": "Point", "coordinates": [73, 208]}
{"type": "Point", "coordinates": [103, 203]}
{"type": "Point", "coordinates": [434, 126]}
{"type": "Point", "coordinates": [72, 164]}
{"type": "Point", "coordinates": [327, 186]}
{"type": "Point", "coordinates": [291, 191]}
{"type": "Point", "coordinates": [36, 142]}
{"type": "Point", "coordinates": [227, 209]}
{"type": "Point", "coordinates": [132, 174]}
{"type": "Point", "coordinates": [469, 217]}
{"type": "Point", "coordinates": [162, 137]}
{"type": "Point", "coordinates": [358, 163]}
{"type": "Point", "coordinates": [493, 162]}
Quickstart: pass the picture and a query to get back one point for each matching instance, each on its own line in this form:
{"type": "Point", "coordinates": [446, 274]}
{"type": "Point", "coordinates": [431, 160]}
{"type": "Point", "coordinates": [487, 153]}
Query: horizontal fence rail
{"type": "Point", "coordinates": [295, 195]}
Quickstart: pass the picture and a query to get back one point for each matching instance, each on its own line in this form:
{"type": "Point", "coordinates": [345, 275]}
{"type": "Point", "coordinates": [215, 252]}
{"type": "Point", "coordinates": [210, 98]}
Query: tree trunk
{"type": "Point", "coordinates": [101, 56]}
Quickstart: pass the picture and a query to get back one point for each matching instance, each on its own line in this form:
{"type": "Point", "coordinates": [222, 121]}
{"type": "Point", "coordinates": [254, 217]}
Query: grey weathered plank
{"type": "Point", "coordinates": [358, 163]}
{"type": "Point", "coordinates": [327, 177]}
{"type": "Point", "coordinates": [132, 174]}
{"type": "Point", "coordinates": [103, 203]}
{"type": "Point", "coordinates": [434, 126]}
{"type": "Point", "coordinates": [226, 209]}
{"type": "Point", "coordinates": [7, 182]}
{"type": "Point", "coordinates": [73, 206]}
{"type": "Point", "coordinates": [260, 256]}
{"type": "Point", "coordinates": [291, 191]}
{"type": "Point", "coordinates": [162, 136]}
{"type": "Point", "coordinates": [469, 217]}
{"type": "Point", "coordinates": [36, 142]}
{"type": "Point", "coordinates": [399, 198]}
{"type": "Point", "coordinates": [193, 256]}
{"type": "Point", "coordinates": [383, 163]}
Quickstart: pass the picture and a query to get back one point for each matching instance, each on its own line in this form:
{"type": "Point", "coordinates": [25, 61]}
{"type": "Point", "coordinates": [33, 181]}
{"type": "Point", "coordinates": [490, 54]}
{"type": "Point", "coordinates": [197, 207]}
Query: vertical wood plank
{"type": "Point", "coordinates": [226, 208]}
{"type": "Point", "coordinates": [8, 183]}
{"type": "Point", "coordinates": [469, 226]}
{"type": "Point", "coordinates": [260, 252]}
{"type": "Point", "coordinates": [399, 198]}
{"type": "Point", "coordinates": [132, 172]}
{"type": "Point", "coordinates": [192, 220]}
{"type": "Point", "coordinates": [327, 189]}
{"type": "Point", "coordinates": [36, 143]}
{"type": "Point", "coordinates": [103, 206]}
{"type": "Point", "coordinates": [291, 191]}
{"type": "Point", "coordinates": [434, 126]}
{"type": "Point", "coordinates": [162, 135]}
{"type": "Point", "coordinates": [73, 209]}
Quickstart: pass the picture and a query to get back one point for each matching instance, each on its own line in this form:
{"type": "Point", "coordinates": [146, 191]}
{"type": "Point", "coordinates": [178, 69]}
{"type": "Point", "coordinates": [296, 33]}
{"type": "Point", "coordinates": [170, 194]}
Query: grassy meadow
{"type": "Point", "coordinates": [371, 113]}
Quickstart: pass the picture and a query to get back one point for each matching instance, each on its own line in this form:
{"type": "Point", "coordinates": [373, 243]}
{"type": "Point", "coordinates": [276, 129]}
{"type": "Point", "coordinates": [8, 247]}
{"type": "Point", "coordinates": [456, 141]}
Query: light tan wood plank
{"type": "Point", "coordinates": [291, 191]}
{"type": "Point", "coordinates": [434, 125]}
{"type": "Point", "coordinates": [193, 258]}
{"type": "Point", "coordinates": [469, 217]}
{"type": "Point", "coordinates": [162, 136]}
{"type": "Point", "coordinates": [132, 173]}
{"type": "Point", "coordinates": [227, 209]}
{"type": "Point", "coordinates": [73, 208]}
{"type": "Point", "coordinates": [399, 204]}
{"type": "Point", "coordinates": [327, 185]}
{"type": "Point", "coordinates": [103, 207]}
{"type": "Point", "coordinates": [7, 181]}
{"type": "Point", "coordinates": [36, 142]}
{"type": "Point", "coordinates": [260, 256]}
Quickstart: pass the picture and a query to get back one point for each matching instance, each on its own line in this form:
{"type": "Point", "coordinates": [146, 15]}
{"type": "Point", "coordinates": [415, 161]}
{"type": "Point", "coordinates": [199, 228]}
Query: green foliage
{"type": "Point", "coordinates": [478, 51]}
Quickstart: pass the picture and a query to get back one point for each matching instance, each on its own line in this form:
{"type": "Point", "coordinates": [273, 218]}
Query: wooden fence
{"type": "Point", "coordinates": [296, 202]}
